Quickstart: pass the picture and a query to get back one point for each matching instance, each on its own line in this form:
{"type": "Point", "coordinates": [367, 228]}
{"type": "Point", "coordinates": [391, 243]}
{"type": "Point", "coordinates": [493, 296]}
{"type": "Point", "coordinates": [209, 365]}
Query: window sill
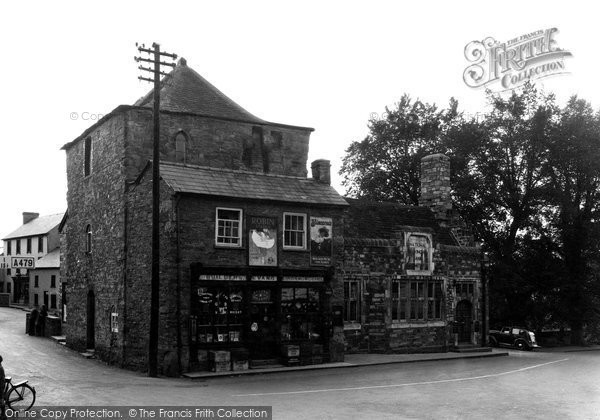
{"type": "Point", "coordinates": [219, 246]}
{"type": "Point", "coordinates": [295, 249]}
{"type": "Point", "coordinates": [349, 326]}
{"type": "Point", "coordinates": [417, 324]}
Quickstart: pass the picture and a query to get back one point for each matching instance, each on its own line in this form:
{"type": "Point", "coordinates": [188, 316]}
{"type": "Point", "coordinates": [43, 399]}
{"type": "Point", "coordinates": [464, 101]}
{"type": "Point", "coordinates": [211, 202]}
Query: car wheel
{"type": "Point", "coordinates": [520, 345]}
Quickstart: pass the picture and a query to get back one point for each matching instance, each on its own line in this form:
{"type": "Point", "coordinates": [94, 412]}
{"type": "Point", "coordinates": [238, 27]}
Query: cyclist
{"type": "Point", "coordinates": [2, 387]}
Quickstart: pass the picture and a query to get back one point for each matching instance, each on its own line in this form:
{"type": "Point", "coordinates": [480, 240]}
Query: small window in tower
{"type": "Point", "coordinates": [88, 239]}
{"type": "Point", "coordinates": [180, 146]}
{"type": "Point", "coordinates": [87, 168]}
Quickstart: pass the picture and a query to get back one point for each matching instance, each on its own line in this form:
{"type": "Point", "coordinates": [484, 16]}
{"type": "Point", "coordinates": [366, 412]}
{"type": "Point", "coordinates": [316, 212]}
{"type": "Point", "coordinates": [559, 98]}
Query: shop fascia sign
{"type": "Point", "coordinates": [17, 262]}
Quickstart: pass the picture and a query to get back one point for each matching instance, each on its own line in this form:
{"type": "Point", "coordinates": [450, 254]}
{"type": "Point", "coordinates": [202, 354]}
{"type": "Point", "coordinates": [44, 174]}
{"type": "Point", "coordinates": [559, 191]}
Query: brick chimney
{"type": "Point", "coordinates": [28, 216]}
{"type": "Point", "coordinates": [435, 185]}
{"type": "Point", "coordinates": [321, 171]}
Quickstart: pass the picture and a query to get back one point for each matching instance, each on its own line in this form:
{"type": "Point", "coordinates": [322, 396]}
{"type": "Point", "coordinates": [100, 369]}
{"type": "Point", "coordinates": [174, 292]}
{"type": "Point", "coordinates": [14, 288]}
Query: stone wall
{"type": "Point", "coordinates": [97, 200]}
{"type": "Point", "coordinates": [217, 143]}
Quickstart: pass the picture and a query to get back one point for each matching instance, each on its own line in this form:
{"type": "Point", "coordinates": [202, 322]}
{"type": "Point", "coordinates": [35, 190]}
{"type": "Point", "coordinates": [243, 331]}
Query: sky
{"type": "Point", "coordinates": [330, 65]}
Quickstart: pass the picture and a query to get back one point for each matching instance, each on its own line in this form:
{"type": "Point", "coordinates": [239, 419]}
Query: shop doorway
{"type": "Point", "coordinates": [464, 320]}
{"type": "Point", "coordinates": [91, 320]}
{"type": "Point", "coordinates": [262, 324]}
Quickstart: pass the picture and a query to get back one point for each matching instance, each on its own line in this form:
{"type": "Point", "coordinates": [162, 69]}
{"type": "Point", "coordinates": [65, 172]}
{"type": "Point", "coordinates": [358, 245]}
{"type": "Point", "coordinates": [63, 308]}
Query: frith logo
{"type": "Point", "coordinates": [509, 64]}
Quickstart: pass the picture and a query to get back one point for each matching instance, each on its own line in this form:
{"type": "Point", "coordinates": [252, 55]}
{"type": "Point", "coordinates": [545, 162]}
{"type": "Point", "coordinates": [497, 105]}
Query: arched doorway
{"type": "Point", "coordinates": [464, 320]}
{"type": "Point", "coordinates": [91, 320]}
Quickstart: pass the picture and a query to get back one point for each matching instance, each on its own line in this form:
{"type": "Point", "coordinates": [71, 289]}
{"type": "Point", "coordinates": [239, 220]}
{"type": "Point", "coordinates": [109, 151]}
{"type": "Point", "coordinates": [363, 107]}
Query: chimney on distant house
{"type": "Point", "coordinates": [321, 171]}
{"type": "Point", "coordinates": [435, 185]}
{"type": "Point", "coordinates": [29, 216]}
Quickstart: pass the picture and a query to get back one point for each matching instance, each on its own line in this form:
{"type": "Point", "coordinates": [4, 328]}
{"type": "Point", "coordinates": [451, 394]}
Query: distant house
{"type": "Point", "coordinates": [44, 288]}
{"type": "Point", "coordinates": [37, 237]}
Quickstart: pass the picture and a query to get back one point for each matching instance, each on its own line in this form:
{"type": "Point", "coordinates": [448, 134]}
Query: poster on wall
{"type": "Point", "coordinates": [320, 240]}
{"type": "Point", "coordinates": [262, 246]}
{"type": "Point", "coordinates": [418, 253]}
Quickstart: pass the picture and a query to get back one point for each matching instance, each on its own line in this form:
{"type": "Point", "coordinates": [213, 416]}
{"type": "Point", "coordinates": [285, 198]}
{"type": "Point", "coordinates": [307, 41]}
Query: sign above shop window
{"type": "Point", "coordinates": [303, 278]}
{"type": "Point", "coordinates": [321, 236]}
{"type": "Point", "coordinates": [262, 242]}
{"type": "Point", "coordinates": [263, 278]}
{"type": "Point", "coordinates": [223, 277]}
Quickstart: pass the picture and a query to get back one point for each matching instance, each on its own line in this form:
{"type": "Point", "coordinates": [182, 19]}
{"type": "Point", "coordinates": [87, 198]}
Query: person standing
{"type": "Point", "coordinates": [41, 322]}
{"type": "Point", "coordinates": [33, 317]}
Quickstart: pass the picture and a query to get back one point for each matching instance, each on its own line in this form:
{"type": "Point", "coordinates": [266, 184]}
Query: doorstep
{"type": "Point", "coordinates": [352, 360]}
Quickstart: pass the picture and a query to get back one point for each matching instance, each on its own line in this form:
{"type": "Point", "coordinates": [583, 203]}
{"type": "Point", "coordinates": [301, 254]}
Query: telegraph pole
{"type": "Point", "coordinates": [156, 56]}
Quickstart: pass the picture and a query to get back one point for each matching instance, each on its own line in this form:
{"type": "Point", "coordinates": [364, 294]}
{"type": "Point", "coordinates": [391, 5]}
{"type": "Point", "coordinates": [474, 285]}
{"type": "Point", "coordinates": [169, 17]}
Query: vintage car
{"type": "Point", "coordinates": [517, 337]}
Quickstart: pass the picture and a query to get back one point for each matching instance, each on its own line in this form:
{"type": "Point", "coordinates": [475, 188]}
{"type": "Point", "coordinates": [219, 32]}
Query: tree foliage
{"type": "Point", "coordinates": [525, 176]}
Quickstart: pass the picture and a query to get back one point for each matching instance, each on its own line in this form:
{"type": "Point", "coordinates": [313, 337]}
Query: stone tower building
{"type": "Point", "coordinates": [221, 168]}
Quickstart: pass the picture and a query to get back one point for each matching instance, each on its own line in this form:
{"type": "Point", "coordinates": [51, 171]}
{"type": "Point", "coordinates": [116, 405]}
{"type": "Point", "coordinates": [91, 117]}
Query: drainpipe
{"type": "Point", "coordinates": [178, 278]}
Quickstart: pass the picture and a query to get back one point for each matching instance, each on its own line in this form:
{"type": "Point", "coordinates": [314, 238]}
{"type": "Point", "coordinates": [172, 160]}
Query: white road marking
{"type": "Point", "coordinates": [471, 378]}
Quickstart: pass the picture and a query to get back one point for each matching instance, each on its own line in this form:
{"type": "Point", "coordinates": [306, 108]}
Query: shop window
{"type": "Point", "coordinates": [294, 231]}
{"type": "Point", "coordinates": [352, 300]}
{"type": "Point", "coordinates": [418, 254]}
{"type": "Point", "coordinates": [228, 229]}
{"type": "Point", "coordinates": [416, 300]}
{"type": "Point", "coordinates": [301, 317]}
{"type": "Point", "coordinates": [40, 244]}
{"type": "Point", "coordinates": [218, 315]}
{"type": "Point", "coordinates": [36, 281]}
{"type": "Point", "coordinates": [52, 301]}
{"type": "Point", "coordinates": [53, 281]}
{"type": "Point", "coordinates": [29, 245]}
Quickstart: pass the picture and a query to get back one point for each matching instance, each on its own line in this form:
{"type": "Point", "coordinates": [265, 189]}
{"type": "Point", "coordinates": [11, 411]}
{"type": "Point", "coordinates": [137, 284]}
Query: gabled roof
{"type": "Point", "coordinates": [38, 226]}
{"type": "Point", "coordinates": [247, 185]}
{"type": "Point", "coordinates": [184, 90]}
{"type": "Point", "coordinates": [50, 260]}
{"type": "Point", "coordinates": [380, 220]}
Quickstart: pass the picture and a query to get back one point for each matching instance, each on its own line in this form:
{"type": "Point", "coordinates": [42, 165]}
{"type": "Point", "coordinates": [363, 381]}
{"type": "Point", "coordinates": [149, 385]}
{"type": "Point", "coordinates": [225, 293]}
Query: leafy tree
{"type": "Point", "coordinates": [386, 164]}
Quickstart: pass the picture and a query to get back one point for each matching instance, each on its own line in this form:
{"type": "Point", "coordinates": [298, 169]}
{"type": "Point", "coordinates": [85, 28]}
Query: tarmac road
{"type": "Point", "coordinates": [549, 385]}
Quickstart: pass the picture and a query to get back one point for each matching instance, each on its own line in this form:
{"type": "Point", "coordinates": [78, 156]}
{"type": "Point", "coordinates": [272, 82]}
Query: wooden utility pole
{"type": "Point", "coordinates": [156, 55]}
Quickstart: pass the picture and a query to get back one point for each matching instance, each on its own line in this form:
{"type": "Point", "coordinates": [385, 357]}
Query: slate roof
{"type": "Point", "coordinates": [184, 90]}
{"type": "Point", "coordinates": [38, 226]}
{"type": "Point", "coordinates": [50, 260]}
{"type": "Point", "coordinates": [379, 220]}
{"type": "Point", "coordinates": [247, 185]}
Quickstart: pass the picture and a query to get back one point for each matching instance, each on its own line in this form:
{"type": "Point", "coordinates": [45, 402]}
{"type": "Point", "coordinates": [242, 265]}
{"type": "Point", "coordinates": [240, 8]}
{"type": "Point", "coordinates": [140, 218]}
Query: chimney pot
{"type": "Point", "coordinates": [321, 171]}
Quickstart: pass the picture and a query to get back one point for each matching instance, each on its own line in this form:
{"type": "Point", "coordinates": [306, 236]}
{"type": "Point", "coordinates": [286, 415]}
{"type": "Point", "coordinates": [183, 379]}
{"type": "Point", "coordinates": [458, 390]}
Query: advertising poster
{"type": "Point", "coordinates": [418, 252]}
{"type": "Point", "coordinates": [262, 243]}
{"type": "Point", "coordinates": [320, 240]}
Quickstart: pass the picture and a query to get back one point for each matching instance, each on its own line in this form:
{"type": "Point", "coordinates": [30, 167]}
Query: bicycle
{"type": "Point", "coordinates": [19, 396]}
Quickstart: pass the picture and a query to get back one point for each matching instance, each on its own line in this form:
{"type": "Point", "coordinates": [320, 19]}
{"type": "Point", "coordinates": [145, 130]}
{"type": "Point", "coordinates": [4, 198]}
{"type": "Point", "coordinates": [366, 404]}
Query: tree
{"type": "Point", "coordinates": [572, 172]}
{"type": "Point", "coordinates": [386, 164]}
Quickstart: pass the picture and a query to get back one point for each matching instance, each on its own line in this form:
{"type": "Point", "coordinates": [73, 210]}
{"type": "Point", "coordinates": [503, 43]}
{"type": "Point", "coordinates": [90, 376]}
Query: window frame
{"type": "Point", "coordinates": [349, 299]}
{"type": "Point", "coordinates": [36, 281]}
{"type": "Point", "coordinates": [240, 222]}
{"type": "Point", "coordinates": [303, 231]}
{"type": "Point", "coordinates": [87, 156]}
{"type": "Point", "coordinates": [40, 243]}
{"type": "Point", "coordinates": [28, 246]}
{"type": "Point", "coordinates": [9, 247]}
{"type": "Point", "coordinates": [18, 247]}
{"type": "Point", "coordinates": [88, 238]}
{"type": "Point", "coordinates": [53, 281]}
{"type": "Point", "coordinates": [417, 305]}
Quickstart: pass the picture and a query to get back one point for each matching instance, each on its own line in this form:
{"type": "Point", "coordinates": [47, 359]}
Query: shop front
{"type": "Point", "coordinates": [265, 315]}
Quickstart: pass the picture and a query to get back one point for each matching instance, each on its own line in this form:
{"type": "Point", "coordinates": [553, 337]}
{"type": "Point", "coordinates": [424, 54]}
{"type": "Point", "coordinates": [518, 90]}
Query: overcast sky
{"type": "Point", "coordinates": [327, 65]}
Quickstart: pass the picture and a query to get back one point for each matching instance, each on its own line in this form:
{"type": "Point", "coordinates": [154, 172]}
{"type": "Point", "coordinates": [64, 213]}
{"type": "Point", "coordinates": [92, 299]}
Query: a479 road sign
{"type": "Point", "coordinates": [17, 262]}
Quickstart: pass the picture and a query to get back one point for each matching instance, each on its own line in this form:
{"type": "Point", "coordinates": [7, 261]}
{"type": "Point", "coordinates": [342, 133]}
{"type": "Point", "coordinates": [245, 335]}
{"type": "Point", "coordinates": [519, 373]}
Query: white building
{"type": "Point", "coordinates": [37, 237]}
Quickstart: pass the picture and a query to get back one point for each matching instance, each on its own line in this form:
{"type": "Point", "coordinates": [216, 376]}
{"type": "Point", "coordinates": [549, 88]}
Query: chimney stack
{"type": "Point", "coordinates": [321, 171]}
{"type": "Point", "coordinates": [29, 216]}
{"type": "Point", "coordinates": [435, 185]}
